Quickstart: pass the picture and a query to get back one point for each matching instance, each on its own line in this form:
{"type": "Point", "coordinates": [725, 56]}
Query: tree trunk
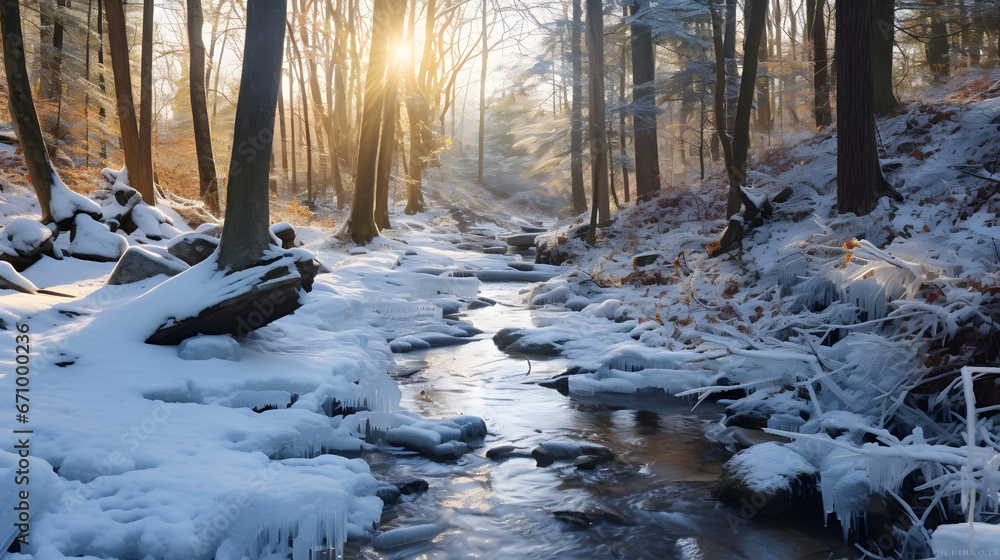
{"type": "Point", "coordinates": [883, 30]}
{"type": "Point", "coordinates": [284, 137]}
{"type": "Point", "coordinates": [821, 62]}
{"type": "Point", "coordinates": [732, 68]}
{"type": "Point", "coordinates": [52, 29]}
{"type": "Point", "coordinates": [305, 110]}
{"type": "Point", "coordinates": [647, 158]}
{"type": "Point", "coordinates": [145, 171]}
{"type": "Point", "coordinates": [858, 173]}
{"type": "Point", "coordinates": [576, 118]}
{"type": "Point", "coordinates": [199, 109]}
{"type": "Point", "coordinates": [291, 121]}
{"type": "Point", "coordinates": [598, 146]}
{"type": "Point", "coordinates": [622, 133]}
{"type": "Point", "coordinates": [245, 236]}
{"type": "Point", "coordinates": [102, 112]}
{"type": "Point", "coordinates": [363, 227]}
{"type": "Point", "coordinates": [139, 179]}
{"type": "Point", "coordinates": [22, 107]}
{"type": "Point", "coordinates": [390, 107]}
{"type": "Point", "coordinates": [764, 118]}
{"type": "Point", "coordinates": [756, 15]}
{"type": "Point", "coordinates": [936, 49]}
{"type": "Point", "coordinates": [482, 102]}
{"type": "Point", "coordinates": [324, 115]}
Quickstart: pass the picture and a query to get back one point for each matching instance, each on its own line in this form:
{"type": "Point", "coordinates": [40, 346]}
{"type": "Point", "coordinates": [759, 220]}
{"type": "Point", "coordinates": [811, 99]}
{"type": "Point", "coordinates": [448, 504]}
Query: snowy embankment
{"type": "Point", "coordinates": [218, 448]}
{"type": "Point", "coordinates": [847, 332]}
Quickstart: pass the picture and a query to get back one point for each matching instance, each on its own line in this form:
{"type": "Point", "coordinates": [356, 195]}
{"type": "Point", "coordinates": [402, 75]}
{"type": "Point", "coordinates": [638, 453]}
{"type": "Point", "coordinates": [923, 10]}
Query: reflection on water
{"type": "Point", "coordinates": [651, 503]}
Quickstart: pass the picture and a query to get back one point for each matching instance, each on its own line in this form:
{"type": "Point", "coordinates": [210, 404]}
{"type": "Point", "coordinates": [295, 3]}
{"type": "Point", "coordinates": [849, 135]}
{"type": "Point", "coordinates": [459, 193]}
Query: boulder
{"type": "Point", "coordinates": [507, 336]}
{"type": "Point", "coordinates": [192, 248]}
{"type": "Point", "coordinates": [506, 452]}
{"type": "Point", "coordinates": [139, 264]}
{"type": "Point", "coordinates": [285, 234]}
{"type": "Point", "coordinates": [441, 440]}
{"type": "Point", "coordinates": [10, 279]}
{"type": "Point", "coordinates": [274, 294]}
{"type": "Point", "coordinates": [412, 486]}
{"type": "Point", "coordinates": [522, 240]}
{"type": "Point", "coordinates": [23, 242]}
{"type": "Point", "coordinates": [147, 219]}
{"type": "Point", "coordinates": [92, 241]}
{"type": "Point", "coordinates": [644, 259]}
{"type": "Point", "coordinates": [558, 450]}
{"type": "Point", "coordinates": [25, 237]}
{"type": "Point", "coordinates": [388, 493]}
{"type": "Point", "coordinates": [768, 478]}
{"type": "Point", "coordinates": [406, 535]}
{"type": "Point", "coordinates": [212, 230]}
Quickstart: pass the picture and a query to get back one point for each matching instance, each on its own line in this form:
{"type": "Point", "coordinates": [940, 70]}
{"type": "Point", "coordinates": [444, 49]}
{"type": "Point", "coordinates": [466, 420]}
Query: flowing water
{"type": "Point", "coordinates": [652, 502]}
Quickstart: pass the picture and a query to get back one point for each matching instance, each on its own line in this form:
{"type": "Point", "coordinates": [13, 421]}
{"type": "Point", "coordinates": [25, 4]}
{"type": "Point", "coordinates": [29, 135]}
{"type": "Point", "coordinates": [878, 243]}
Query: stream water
{"type": "Point", "coordinates": [652, 502]}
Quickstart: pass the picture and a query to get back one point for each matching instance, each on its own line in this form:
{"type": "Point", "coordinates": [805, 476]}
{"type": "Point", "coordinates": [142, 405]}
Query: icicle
{"type": "Point", "coordinates": [886, 473]}
{"type": "Point", "coordinates": [318, 534]}
{"type": "Point", "coordinates": [785, 422]}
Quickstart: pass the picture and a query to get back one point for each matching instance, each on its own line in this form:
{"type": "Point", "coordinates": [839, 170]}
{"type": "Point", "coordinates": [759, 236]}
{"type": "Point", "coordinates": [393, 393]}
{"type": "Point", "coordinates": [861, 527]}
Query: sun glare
{"type": "Point", "coordinates": [401, 53]}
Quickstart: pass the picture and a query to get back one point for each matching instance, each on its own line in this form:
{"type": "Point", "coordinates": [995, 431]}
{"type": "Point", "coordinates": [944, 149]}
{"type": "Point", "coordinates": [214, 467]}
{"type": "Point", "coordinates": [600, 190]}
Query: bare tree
{"type": "Point", "coordinates": [363, 227]}
{"type": "Point", "coordinates": [601, 211]}
{"type": "Point", "coordinates": [816, 33]}
{"type": "Point", "coordinates": [245, 236]}
{"type": "Point", "coordinates": [22, 107]}
{"type": "Point", "coordinates": [137, 159]}
{"type": "Point", "coordinates": [858, 173]}
{"type": "Point", "coordinates": [199, 108]}
{"type": "Point", "coordinates": [579, 195]}
{"type": "Point", "coordinates": [647, 159]}
{"type": "Point", "coordinates": [883, 31]}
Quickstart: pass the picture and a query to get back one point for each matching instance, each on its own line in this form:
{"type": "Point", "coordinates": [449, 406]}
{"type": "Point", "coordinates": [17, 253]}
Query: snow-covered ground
{"type": "Point", "coordinates": [217, 448]}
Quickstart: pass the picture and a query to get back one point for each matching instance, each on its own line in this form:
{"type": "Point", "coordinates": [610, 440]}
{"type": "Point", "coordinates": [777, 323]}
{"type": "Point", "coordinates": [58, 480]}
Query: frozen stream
{"type": "Point", "coordinates": [651, 503]}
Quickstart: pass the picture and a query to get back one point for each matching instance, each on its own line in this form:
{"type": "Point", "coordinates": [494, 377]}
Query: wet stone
{"type": "Point", "coordinates": [589, 462]}
{"type": "Point", "coordinates": [413, 486]}
{"type": "Point", "coordinates": [506, 452]}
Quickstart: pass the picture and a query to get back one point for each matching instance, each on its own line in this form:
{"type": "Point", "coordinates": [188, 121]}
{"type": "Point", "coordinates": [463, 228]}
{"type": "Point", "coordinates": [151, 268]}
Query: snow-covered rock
{"type": "Point", "coordinates": [207, 347]}
{"type": "Point", "coordinates": [767, 476]}
{"type": "Point", "coordinates": [65, 204]}
{"type": "Point", "coordinates": [11, 280]}
{"type": "Point", "coordinates": [23, 237]}
{"type": "Point", "coordinates": [90, 240]}
{"type": "Point", "coordinates": [139, 263]}
{"type": "Point", "coordinates": [443, 439]}
{"type": "Point", "coordinates": [194, 247]}
{"type": "Point", "coordinates": [148, 219]}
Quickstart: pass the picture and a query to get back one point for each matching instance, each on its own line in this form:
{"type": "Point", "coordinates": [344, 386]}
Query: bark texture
{"type": "Point", "coordinates": [199, 109]}
{"type": "Point", "coordinates": [22, 107]}
{"type": "Point", "coordinates": [858, 174]}
{"type": "Point", "coordinates": [245, 236]}
{"type": "Point", "coordinates": [647, 158]}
